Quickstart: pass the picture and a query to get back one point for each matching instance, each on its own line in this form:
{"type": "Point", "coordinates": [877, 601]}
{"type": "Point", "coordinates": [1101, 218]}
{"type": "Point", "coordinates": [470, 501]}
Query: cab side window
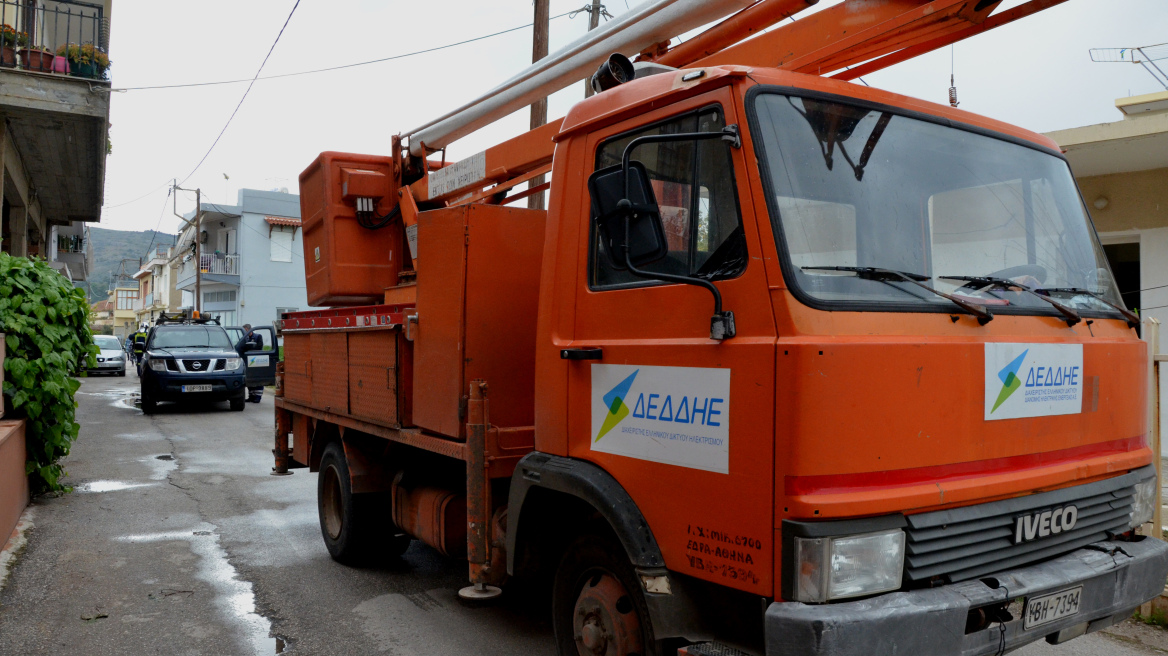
{"type": "Point", "coordinates": [694, 185]}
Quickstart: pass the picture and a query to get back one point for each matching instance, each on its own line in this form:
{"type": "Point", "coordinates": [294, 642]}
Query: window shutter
{"type": "Point", "coordinates": [281, 245]}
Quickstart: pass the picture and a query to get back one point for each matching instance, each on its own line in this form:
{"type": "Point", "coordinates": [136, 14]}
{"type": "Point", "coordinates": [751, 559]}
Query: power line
{"type": "Point", "coordinates": [249, 86]}
{"type": "Point", "coordinates": [319, 70]}
{"type": "Point", "coordinates": [342, 66]}
{"type": "Point", "coordinates": [154, 234]}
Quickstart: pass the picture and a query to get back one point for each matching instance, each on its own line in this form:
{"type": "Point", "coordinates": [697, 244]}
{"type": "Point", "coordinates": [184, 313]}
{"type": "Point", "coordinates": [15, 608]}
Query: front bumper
{"type": "Point", "coordinates": [1116, 577]}
{"type": "Point", "coordinates": [169, 387]}
{"type": "Point", "coordinates": [109, 366]}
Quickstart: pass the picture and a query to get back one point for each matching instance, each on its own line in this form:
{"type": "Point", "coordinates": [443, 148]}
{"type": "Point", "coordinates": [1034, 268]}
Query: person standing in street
{"type": "Point", "coordinates": [140, 345]}
{"type": "Point", "coordinates": [256, 343]}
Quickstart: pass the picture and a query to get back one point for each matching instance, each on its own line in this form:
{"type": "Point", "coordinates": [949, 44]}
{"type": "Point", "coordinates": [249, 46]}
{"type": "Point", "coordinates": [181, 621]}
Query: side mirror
{"type": "Point", "coordinates": [647, 242]}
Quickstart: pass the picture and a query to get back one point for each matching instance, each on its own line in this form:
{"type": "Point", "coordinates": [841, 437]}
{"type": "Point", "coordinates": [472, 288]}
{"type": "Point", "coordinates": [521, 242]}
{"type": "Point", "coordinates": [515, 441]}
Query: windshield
{"type": "Point", "coordinates": [190, 337]}
{"type": "Point", "coordinates": [858, 187]}
{"type": "Point", "coordinates": [107, 343]}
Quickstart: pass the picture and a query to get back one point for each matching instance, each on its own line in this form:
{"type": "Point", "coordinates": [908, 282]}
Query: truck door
{"type": "Point", "coordinates": [261, 362]}
{"type": "Point", "coordinates": [685, 423]}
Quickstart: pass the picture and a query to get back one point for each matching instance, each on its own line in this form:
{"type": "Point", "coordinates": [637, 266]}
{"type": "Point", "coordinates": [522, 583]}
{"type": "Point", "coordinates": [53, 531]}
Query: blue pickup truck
{"type": "Point", "coordinates": [191, 360]}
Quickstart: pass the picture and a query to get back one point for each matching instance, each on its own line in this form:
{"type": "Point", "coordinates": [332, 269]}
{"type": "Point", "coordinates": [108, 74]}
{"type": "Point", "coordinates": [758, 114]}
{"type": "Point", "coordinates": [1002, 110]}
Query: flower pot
{"type": "Point", "coordinates": [7, 56]}
{"type": "Point", "coordinates": [37, 60]}
{"type": "Point", "coordinates": [60, 65]}
{"type": "Point", "coordinates": [83, 70]}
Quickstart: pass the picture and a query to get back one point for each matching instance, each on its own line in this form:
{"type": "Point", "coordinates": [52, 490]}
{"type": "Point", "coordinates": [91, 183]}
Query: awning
{"type": "Point", "coordinates": [282, 221]}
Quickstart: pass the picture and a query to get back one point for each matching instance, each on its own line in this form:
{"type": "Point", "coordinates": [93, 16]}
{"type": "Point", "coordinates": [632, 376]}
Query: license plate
{"type": "Point", "coordinates": [196, 388]}
{"type": "Point", "coordinates": [1051, 607]}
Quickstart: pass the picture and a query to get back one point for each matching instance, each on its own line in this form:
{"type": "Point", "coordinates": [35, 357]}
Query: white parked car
{"type": "Point", "coordinates": [111, 359]}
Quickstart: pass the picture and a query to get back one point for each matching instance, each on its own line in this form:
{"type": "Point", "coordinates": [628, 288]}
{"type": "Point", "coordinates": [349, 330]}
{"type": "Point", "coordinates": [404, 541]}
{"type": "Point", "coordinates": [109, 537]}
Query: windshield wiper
{"type": "Point", "coordinates": [983, 315]}
{"type": "Point", "coordinates": [1069, 315]}
{"type": "Point", "coordinates": [1132, 319]}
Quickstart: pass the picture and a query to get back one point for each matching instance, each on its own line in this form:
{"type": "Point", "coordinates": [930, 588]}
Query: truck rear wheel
{"type": "Point", "coordinates": [597, 605]}
{"type": "Point", "coordinates": [355, 527]}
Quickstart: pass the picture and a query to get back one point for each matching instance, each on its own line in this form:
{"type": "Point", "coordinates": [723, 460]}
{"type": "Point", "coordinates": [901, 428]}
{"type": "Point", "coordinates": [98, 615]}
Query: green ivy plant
{"type": "Point", "coordinates": [45, 321]}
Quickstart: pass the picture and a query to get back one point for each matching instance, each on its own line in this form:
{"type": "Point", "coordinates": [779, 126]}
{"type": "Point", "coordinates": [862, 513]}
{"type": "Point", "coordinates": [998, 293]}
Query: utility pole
{"type": "Point", "coordinates": [198, 221]}
{"type": "Point", "coordinates": [593, 23]}
{"type": "Point", "coordinates": [539, 50]}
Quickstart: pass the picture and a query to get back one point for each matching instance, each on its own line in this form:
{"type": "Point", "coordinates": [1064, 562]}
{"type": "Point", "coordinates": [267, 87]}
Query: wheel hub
{"type": "Point", "coordinates": [605, 621]}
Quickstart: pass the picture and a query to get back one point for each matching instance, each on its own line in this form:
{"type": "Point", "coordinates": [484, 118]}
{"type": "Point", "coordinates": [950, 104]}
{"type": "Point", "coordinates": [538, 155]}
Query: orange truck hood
{"type": "Point", "coordinates": [879, 423]}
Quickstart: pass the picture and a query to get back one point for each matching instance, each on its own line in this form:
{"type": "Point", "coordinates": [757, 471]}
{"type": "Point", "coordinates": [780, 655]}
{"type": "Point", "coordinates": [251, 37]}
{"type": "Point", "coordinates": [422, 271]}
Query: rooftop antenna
{"type": "Point", "coordinates": [952, 85]}
{"type": "Point", "coordinates": [1146, 56]}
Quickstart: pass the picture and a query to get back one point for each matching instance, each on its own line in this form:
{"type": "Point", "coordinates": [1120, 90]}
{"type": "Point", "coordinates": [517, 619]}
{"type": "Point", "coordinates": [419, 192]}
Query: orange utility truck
{"type": "Point", "coordinates": [789, 365]}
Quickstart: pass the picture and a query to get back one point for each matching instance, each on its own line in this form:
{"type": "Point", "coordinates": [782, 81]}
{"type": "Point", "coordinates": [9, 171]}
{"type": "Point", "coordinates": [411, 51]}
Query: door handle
{"type": "Point", "coordinates": [581, 354]}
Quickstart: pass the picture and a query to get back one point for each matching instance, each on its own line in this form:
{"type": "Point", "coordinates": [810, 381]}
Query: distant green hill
{"type": "Point", "coordinates": [111, 247]}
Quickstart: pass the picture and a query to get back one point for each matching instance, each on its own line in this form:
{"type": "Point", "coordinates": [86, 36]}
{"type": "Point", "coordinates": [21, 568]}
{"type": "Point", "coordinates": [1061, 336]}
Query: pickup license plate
{"type": "Point", "coordinates": [196, 388]}
{"type": "Point", "coordinates": [1048, 608]}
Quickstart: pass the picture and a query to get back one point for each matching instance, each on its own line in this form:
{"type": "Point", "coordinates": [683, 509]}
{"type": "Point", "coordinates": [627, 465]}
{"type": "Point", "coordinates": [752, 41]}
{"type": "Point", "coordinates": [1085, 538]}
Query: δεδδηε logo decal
{"type": "Point", "coordinates": [1010, 380]}
{"type": "Point", "coordinates": [614, 400]}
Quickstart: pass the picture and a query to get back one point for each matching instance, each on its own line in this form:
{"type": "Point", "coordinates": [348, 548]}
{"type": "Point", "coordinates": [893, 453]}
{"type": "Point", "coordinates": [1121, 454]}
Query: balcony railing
{"type": "Point", "coordinates": [222, 264]}
{"type": "Point", "coordinates": [60, 36]}
{"type": "Point", "coordinates": [71, 243]}
{"type": "Point", "coordinates": [148, 301]}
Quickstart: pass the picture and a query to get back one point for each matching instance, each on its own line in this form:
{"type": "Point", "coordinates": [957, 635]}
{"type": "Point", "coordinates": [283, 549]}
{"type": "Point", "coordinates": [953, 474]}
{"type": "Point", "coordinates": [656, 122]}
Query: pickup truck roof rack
{"type": "Point", "coordinates": [181, 318]}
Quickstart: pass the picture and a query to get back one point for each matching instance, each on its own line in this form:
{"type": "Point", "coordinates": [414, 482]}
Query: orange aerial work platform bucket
{"type": "Point", "coordinates": [346, 263]}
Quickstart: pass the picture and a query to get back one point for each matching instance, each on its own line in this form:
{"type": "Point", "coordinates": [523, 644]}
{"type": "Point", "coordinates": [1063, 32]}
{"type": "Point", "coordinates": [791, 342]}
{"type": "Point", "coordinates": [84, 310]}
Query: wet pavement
{"type": "Point", "coordinates": [177, 540]}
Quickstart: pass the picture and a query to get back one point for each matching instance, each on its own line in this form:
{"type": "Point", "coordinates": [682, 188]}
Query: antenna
{"type": "Point", "coordinates": [1146, 56]}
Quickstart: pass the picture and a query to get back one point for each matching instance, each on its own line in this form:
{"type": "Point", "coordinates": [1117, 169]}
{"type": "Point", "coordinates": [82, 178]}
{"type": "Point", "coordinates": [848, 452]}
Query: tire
{"type": "Point", "coordinates": [149, 406]}
{"type": "Point", "coordinates": [237, 405]}
{"type": "Point", "coordinates": [356, 527]}
{"type": "Point", "coordinates": [122, 373]}
{"type": "Point", "coordinates": [597, 599]}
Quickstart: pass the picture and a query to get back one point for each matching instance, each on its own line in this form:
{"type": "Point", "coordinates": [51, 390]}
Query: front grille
{"type": "Point", "coordinates": [196, 366]}
{"type": "Point", "coordinates": [965, 543]}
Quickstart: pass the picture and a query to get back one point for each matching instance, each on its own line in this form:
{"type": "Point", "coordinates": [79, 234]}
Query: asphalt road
{"type": "Point", "coordinates": [177, 540]}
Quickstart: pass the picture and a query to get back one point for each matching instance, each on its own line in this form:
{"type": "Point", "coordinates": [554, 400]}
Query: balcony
{"type": "Point", "coordinates": [74, 252]}
{"type": "Point", "coordinates": [148, 301]}
{"type": "Point", "coordinates": [226, 265]}
{"type": "Point", "coordinates": [215, 267]}
{"type": "Point", "coordinates": [57, 111]}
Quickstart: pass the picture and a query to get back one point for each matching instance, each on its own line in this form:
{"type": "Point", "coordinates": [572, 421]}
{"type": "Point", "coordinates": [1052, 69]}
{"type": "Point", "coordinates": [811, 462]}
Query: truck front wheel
{"type": "Point", "coordinates": [597, 605]}
{"type": "Point", "coordinates": [355, 527]}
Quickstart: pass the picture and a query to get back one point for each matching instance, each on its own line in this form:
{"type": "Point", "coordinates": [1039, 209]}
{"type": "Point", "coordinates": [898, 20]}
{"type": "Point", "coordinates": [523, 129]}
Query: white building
{"type": "Point", "coordinates": [1122, 171]}
{"type": "Point", "coordinates": [251, 262]}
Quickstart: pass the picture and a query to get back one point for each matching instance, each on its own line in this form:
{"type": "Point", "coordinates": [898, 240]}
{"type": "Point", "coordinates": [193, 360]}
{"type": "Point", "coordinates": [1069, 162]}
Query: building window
{"type": "Point", "coordinates": [282, 243]}
{"type": "Point", "coordinates": [219, 297]}
{"type": "Point", "coordinates": [126, 298]}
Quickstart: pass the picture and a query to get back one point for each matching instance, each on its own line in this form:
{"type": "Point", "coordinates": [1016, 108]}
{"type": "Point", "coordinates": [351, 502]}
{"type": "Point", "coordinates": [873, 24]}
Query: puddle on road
{"type": "Point", "coordinates": [160, 466]}
{"type": "Point", "coordinates": [108, 486]}
{"type": "Point", "coordinates": [234, 596]}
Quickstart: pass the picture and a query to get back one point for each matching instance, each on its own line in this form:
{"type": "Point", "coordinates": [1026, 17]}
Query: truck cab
{"type": "Point", "coordinates": [929, 351]}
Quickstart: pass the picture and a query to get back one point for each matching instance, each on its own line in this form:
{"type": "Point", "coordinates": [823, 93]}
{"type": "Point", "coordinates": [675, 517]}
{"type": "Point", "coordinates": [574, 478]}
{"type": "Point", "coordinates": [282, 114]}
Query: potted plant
{"type": "Point", "coordinates": [81, 59]}
{"type": "Point", "coordinates": [37, 58]}
{"type": "Point", "coordinates": [8, 42]}
{"type": "Point", "coordinates": [101, 62]}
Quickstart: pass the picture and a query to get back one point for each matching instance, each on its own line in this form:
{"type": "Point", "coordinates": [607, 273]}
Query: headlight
{"type": "Point", "coordinates": [234, 363]}
{"type": "Point", "coordinates": [1143, 502]}
{"type": "Point", "coordinates": [848, 566]}
{"type": "Point", "coordinates": [116, 358]}
{"type": "Point", "coordinates": [158, 365]}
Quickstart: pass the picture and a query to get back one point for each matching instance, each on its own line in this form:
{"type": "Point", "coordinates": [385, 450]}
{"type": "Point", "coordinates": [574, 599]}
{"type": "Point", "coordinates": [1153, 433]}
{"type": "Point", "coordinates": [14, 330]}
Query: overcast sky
{"type": "Point", "coordinates": [1035, 73]}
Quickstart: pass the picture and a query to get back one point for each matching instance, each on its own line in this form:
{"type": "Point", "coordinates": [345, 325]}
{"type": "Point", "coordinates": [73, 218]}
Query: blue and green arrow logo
{"type": "Point", "coordinates": [1009, 378]}
{"type": "Point", "coordinates": [615, 402]}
